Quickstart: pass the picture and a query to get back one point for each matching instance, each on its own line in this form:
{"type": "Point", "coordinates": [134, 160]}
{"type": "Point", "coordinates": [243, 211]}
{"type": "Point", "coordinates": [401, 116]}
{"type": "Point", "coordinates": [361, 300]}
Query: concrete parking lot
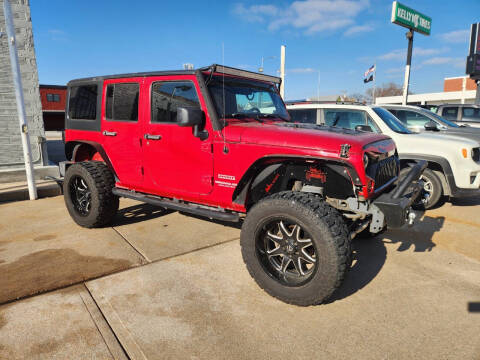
{"type": "Point", "coordinates": [159, 284]}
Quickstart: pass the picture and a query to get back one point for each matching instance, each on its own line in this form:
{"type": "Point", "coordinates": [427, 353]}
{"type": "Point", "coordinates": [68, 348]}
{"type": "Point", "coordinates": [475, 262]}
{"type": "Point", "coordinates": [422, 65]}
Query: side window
{"type": "Point", "coordinates": [308, 116]}
{"type": "Point", "coordinates": [347, 119]}
{"type": "Point", "coordinates": [82, 104]}
{"type": "Point", "coordinates": [450, 113]}
{"type": "Point", "coordinates": [168, 95]}
{"type": "Point", "coordinates": [413, 118]}
{"type": "Point", "coordinates": [470, 114]}
{"type": "Point", "coordinates": [372, 125]}
{"type": "Point", "coordinates": [121, 102]}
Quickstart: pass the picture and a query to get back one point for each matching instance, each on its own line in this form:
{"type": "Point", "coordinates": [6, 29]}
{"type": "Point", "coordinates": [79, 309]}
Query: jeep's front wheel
{"type": "Point", "coordinates": [88, 194]}
{"type": "Point", "coordinates": [296, 247]}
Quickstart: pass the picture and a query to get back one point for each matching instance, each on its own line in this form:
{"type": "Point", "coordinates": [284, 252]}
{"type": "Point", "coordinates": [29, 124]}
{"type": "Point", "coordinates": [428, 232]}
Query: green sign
{"type": "Point", "coordinates": [404, 16]}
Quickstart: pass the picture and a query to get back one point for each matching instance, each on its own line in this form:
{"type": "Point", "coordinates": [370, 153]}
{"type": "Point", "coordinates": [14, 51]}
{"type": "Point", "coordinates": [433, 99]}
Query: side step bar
{"type": "Point", "coordinates": [169, 204]}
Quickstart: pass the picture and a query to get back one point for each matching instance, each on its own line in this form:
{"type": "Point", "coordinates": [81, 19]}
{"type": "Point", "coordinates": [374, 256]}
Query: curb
{"type": "Point", "coordinates": [44, 190]}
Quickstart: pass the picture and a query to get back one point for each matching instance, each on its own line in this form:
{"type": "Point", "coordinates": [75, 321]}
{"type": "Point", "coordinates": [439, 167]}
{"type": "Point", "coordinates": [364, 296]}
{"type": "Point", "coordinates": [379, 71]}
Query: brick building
{"type": "Point", "coordinates": [459, 83]}
{"type": "Point", "coordinates": [53, 106]}
{"type": "Point", "coordinates": [11, 152]}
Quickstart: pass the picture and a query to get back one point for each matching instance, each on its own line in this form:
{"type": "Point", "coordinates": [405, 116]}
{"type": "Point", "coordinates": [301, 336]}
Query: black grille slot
{"type": "Point", "coordinates": [386, 170]}
{"type": "Point", "coordinates": [476, 154]}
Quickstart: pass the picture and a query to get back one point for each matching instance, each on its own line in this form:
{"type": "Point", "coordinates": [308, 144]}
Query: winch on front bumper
{"type": "Point", "coordinates": [395, 205]}
{"type": "Point", "coordinates": [391, 209]}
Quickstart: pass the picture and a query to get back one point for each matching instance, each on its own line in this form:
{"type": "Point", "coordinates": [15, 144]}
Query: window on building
{"type": "Point", "coordinates": [167, 96]}
{"type": "Point", "coordinates": [83, 102]}
{"type": "Point", "coordinates": [53, 97]}
{"type": "Point", "coordinates": [121, 102]}
{"type": "Point", "coordinates": [308, 116]}
{"type": "Point", "coordinates": [450, 113]}
{"type": "Point", "coordinates": [471, 114]}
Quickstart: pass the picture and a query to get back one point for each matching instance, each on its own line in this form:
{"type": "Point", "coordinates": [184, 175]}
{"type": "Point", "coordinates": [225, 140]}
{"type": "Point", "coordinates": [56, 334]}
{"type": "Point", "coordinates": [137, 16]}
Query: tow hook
{"type": "Point", "coordinates": [411, 218]}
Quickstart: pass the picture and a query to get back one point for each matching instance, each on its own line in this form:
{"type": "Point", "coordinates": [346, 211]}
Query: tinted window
{"type": "Point", "coordinates": [308, 116]}
{"type": "Point", "coordinates": [167, 96]}
{"type": "Point", "coordinates": [121, 102]}
{"type": "Point", "coordinates": [411, 118]}
{"type": "Point", "coordinates": [471, 114]}
{"type": "Point", "coordinates": [450, 113]}
{"type": "Point", "coordinates": [348, 119]}
{"type": "Point", "coordinates": [391, 121]}
{"type": "Point", "coordinates": [83, 102]}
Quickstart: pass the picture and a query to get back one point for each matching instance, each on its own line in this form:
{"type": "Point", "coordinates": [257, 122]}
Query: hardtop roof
{"type": "Point", "coordinates": [215, 68]}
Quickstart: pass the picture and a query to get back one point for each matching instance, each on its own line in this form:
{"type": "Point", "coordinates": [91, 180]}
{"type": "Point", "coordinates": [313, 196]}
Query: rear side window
{"type": "Point", "coordinates": [471, 114]}
{"type": "Point", "coordinates": [450, 113]}
{"type": "Point", "coordinates": [82, 103]}
{"type": "Point", "coordinates": [121, 103]}
{"type": "Point", "coordinates": [167, 96]}
{"type": "Point", "coordinates": [308, 116]}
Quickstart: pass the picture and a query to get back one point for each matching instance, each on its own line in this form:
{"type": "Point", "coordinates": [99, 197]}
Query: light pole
{"type": "Point", "coordinates": [260, 69]}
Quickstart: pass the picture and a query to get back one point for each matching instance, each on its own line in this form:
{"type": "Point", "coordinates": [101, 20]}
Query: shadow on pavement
{"type": "Point", "coordinates": [466, 201]}
{"type": "Point", "coordinates": [369, 255]}
{"type": "Point", "coordinates": [138, 213]}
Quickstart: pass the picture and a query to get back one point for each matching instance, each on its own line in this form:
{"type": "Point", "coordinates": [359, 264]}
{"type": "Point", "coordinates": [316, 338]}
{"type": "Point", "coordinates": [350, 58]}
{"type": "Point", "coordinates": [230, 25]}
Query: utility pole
{"type": "Point", "coordinates": [282, 71]}
{"type": "Point", "coordinates": [374, 80]}
{"type": "Point", "coordinates": [407, 67]}
{"type": "Point", "coordinates": [477, 97]}
{"type": "Point", "coordinates": [17, 81]}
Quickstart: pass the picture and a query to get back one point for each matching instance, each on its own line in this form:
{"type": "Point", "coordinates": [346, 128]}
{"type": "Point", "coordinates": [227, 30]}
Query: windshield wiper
{"type": "Point", "coordinates": [242, 116]}
{"type": "Point", "coordinates": [271, 116]}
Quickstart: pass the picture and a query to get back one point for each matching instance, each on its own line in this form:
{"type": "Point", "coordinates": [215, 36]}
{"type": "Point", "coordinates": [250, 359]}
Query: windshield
{"type": "Point", "coordinates": [391, 121]}
{"type": "Point", "coordinates": [441, 119]}
{"type": "Point", "coordinates": [242, 98]}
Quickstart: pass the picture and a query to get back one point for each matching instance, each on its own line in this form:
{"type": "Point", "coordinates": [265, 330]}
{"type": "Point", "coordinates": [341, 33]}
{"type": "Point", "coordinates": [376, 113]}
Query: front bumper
{"type": "Point", "coordinates": [395, 205]}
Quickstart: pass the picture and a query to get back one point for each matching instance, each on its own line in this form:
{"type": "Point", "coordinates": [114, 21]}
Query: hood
{"type": "Point", "coordinates": [461, 132]}
{"type": "Point", "coordinates": [305, 136]}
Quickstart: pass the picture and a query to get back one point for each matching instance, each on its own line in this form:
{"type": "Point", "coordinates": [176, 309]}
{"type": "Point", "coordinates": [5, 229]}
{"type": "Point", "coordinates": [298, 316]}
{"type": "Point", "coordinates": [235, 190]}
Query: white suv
{"type": "Point", "coordinates": [453, 162]}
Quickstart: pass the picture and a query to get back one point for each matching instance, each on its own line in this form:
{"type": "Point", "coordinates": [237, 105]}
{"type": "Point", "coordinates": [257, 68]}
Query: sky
{"type": "Point", "coordinates": [329, 43]}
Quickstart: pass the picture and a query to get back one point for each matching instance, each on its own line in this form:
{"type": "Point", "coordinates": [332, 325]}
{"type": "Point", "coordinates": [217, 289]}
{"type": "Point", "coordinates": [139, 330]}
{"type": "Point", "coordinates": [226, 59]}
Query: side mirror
{"type": "Point", "coordinates": [189, 116]}
{"type": "Point", "coordinates": [431, 126]}
{"type": "Point", "coordinates": [363, 128]}
{"type": "Point", "coordinates": [192, 116]}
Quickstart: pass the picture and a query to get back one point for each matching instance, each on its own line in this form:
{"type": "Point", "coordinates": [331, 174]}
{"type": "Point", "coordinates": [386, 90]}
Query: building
{"type": "Point", "coordinates": [12, 164]}
{"type": "Point", "coordinates": [53, 99]}
{"type": "Point", "coordinates": [456, 90]}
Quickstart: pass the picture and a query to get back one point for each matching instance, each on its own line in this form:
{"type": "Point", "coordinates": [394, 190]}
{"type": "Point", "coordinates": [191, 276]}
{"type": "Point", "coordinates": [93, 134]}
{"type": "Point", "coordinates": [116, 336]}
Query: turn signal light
{"type": "Point", "coordinates": [464, 153]}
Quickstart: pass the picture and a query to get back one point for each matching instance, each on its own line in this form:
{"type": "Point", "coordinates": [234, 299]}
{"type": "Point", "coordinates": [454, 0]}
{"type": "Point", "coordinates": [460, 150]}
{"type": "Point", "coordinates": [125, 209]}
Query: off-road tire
{"type": "Point", "coordinates": [435, 193]}
{"type": "Point", "coordinates": [329, 235]}
{"type": "Point", "coordinates": [100, 181]}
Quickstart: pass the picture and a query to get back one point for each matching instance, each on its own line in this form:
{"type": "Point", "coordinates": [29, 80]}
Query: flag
{"type": "Point", "coordinates": [368, 76]}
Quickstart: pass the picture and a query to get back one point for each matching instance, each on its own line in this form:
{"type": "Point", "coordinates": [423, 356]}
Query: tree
{"type": "Point", "coordinates": [389, 89]}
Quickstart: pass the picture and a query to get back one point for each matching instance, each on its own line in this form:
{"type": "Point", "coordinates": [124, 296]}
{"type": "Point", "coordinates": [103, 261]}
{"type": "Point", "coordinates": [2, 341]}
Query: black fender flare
{"type": "Point", "coordinates": [264, 166]}
{"type": "Point", "coordinates": [71, 148]}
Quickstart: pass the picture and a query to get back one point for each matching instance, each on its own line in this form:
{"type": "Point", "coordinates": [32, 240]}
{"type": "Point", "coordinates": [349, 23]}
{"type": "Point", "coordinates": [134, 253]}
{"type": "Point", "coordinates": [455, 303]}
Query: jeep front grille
{"type": "Point", "coordinates": [383, 171]}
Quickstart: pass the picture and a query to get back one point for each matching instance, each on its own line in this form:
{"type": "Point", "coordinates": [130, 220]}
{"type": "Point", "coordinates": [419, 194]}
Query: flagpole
{"type": "Point", "coordinates": [374, 80]}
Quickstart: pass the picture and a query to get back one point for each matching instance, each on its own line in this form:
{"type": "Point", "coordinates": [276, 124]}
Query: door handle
{"type": "Point", "coordinates": [152, 137]}
{"type": "Point", "coordinates": [109, 133]}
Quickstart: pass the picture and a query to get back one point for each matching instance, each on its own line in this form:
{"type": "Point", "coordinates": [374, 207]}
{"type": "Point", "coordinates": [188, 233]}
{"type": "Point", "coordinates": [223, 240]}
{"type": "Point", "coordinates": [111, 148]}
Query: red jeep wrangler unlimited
{"type": "Point", "coordinates": [217, 142]}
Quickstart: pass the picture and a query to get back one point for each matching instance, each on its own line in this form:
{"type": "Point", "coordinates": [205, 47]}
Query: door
{"type": "Point", "coordinates": [176, 162]}
{"type": "Point", "coordinates": [121, 132]}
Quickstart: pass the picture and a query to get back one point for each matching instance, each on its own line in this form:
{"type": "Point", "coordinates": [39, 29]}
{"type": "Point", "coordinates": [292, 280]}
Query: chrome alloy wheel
{"type": "Point", "coordinates": [81, 195]}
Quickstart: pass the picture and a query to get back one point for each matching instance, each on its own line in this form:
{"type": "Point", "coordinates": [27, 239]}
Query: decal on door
{"type": "Point", "coordinates": [224, 183]}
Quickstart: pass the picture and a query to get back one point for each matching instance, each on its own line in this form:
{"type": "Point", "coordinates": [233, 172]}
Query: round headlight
{"type": "Point", "coordinates": [365, 160]}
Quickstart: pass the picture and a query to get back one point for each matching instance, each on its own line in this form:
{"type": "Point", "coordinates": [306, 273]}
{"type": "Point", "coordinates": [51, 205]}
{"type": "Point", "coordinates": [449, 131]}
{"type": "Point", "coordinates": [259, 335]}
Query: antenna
{"type": "Point", "coordinates": [225, 150]}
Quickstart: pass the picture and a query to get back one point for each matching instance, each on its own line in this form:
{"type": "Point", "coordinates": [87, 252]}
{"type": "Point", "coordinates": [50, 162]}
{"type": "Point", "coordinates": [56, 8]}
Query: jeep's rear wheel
{"type": "Point", "coordinates": [296, 247]}
{"type": "Point", "coordinates": [88, 194]}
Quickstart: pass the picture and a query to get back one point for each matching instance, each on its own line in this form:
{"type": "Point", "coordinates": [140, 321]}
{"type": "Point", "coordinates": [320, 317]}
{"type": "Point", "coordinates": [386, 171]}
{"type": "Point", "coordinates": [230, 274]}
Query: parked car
{"type": "Point", "coordinates": [419, 120]}
{"type": "Point", "coordinates": [453, 162]}
{"type": "Point", "coordinates": [466, 114]}
{"type": "Point", "coordinates": [217, 142]}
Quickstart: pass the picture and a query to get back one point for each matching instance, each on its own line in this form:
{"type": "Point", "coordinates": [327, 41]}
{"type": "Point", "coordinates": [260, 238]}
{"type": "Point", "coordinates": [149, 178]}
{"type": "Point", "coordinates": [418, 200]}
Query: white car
{"type": "Point", "coordinates": [453, 162]}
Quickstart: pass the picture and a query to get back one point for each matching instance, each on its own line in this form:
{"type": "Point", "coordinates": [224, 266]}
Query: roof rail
{"type": "Point", "coordinates": [292, 102]}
